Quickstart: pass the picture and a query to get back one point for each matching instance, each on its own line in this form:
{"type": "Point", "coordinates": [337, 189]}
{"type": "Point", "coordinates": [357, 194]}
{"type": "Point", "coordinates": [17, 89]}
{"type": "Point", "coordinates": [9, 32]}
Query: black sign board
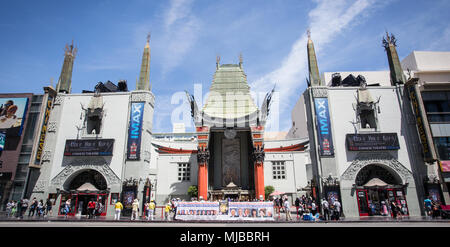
{"type": "Point", "coordinates": [98, 147]}
{"type": "Point", "coordinates": [372, 142]}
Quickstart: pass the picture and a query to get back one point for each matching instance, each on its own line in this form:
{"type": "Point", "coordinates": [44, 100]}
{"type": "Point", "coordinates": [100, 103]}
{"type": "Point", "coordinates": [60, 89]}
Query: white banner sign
{"type": "Point", "coordinates": [252, 211]}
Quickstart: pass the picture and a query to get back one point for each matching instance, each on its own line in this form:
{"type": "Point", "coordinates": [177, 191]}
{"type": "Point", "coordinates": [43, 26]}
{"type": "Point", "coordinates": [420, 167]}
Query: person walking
{"type": "Point", "coordinates": [9, 207]}
{"type": "Point", "coordinates": [67, 206]}
{"type": "Point", "coordinates": [118, 207]}
{"type": "Point", "coordinates": [19, 209]}
{"type": "Point", "coordinates": [326, 210]}
{"type": "Point", "coordinates": [297, 205]}
{"type": "Point", "coordinates": [287, 209]}
{"type": "Point", "coordinates": [313, 208]}
{"type": "Point", "coordinates": [436, 210]}
{"type": "Point", "coordinates": [167, 211]}
{"type": "Point", "coordinates": [135, 210]}
{"type": "Point", "coordinates": [98, 209]}
{"type": "Point", "coordinates": [394, 210]}
{"type": "Point", "coordinates": [91, 208]}
{"type": "Point", "coordinates": [13, 209]}
{"type": "Point", "coordinates": [151, 210]}
{"type": "Point", "coordinates": [24, 207]}
{"type": "Point", "coordinates": [337, 209]}
{"type": "Point", "coordinates": [428, 204]}
{"type": "Point", "coordinates": [48, 207]}
{"type": "Point", "coordinates": [33, 207]}
{"type": "Point", "coordinates": [40, 208]}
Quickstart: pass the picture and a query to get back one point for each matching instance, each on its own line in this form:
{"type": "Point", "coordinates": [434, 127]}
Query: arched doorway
{"type": "Point", "coordinates": [376, 187]}
{"type": "Point", "coordinates": [85, 186]}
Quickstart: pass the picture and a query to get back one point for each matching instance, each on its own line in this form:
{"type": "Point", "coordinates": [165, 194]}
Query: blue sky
{"type": "Point", "coordinates": [187, 35]}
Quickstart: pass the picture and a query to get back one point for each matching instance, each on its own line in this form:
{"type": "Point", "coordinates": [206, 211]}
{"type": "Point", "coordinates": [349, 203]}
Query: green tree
{"type": "Point", "coordinates": [268, 190]}
{"type": "Point", "coordinates": [192, 191]}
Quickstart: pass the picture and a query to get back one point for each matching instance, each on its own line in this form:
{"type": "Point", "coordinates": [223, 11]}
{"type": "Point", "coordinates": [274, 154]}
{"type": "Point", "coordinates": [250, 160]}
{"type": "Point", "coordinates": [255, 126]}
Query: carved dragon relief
{"type": "Point", "coordinates": [364, 159]}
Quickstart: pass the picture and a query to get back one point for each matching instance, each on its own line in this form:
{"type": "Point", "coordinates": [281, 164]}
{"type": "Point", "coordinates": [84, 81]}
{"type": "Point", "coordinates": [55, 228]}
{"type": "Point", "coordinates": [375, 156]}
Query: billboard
{"type": "Point", "coordinates": [97, 147]}
{"type": "Point", "coordinates": [2, 141]}
{"type": "Point", "coordinates": [43, 129]}
{"type": "Point", "coordinates": [135, 131]}
{"type": "Point", "coordinates": [226, 211]}
{"type": "Point", "coordinates": [324, 127]}
{"type": "Point", "coordinates": [372, 142]}
{"type": "Point", "coordinates": [12, 115]}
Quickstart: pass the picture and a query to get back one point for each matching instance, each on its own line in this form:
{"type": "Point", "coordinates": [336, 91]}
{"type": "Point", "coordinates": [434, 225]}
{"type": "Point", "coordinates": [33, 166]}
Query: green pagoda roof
{"type": "Point", "coordinates": [229, 96]}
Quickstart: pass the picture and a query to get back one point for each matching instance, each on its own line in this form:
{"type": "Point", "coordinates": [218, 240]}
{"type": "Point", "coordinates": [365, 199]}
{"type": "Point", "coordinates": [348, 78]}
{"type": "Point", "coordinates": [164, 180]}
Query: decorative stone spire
{"type": "Point", "coordinates": [144, 76]}
{"type": "Point", "coordinates": [389, 44]}
{"type": "Point", "coordinates": [314, 76]}
{"type": "Point", "coordinates": [65, 79]}
{"type": "Point", "coordinates": [217, 61]}
{"type": "Point", "coordinates": [241, 60]}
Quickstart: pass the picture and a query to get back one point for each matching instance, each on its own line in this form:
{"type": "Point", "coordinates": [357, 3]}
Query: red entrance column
{"type": "Point", "coordinates": [259, 180]}
{"type": "Point", "coordinates": [202, 181]}
{"type": "Point", "coordinates": [258, 157]}
{"type": "Point", "coordinates": [202, 161]}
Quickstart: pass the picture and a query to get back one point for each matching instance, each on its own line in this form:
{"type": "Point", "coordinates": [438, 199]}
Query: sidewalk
{"type": "Point", "coordinates": [277, 219]}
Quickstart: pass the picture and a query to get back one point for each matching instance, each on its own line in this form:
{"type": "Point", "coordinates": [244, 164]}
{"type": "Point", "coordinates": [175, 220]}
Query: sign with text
{"type": "Point", "coordinates": [135, 131]}
{"type": "Point", "coordinates": [372, 142]}
{"type": "Point", "coordinates": [324, 127]}
{"type": "Point", "coordinates": [421, 123]}
{"type": "Point", "coordinates": [226, 211]}
{"type": "Point", "coordinates": [98, 147]}
{"type": "Point", "coordinates": [43, 133]}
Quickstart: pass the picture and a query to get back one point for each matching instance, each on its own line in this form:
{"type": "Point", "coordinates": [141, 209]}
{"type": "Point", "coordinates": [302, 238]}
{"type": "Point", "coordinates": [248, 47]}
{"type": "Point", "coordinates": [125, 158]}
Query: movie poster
{"type": "Point", "coordinates": [135, 131]}
{"type": "Point", "coordinates": [226, 211]}
{"type": "Point", "coordinates": [2, 141]}
{"type": "Point", "coordinates": [12, 115]}
{"type": "Point", "coordinates": [324, 127]}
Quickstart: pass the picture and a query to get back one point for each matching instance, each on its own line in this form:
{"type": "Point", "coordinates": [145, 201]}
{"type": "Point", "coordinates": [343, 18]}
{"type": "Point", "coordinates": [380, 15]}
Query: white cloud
{"type": "Point", "coordinates": [180, 33]}
{"type": "Point", "coordinates": [326, 21]}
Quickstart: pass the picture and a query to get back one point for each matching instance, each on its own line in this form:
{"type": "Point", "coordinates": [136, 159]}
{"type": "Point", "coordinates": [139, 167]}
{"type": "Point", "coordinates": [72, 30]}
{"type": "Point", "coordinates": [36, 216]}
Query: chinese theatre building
{"type": "Point", "coordinates": [99, 145]}
{"type": "Point", "coordinates": [230, 158]}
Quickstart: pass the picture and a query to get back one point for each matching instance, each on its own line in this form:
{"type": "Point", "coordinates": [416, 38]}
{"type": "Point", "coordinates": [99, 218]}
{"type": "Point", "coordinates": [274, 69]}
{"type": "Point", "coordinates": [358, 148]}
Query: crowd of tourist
{"type": "Point", "coordinates": [306, 208]}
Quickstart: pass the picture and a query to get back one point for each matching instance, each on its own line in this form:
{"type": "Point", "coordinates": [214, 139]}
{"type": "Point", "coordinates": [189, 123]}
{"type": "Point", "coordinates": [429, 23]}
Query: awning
{"type": "Point", "coordinates": [376, 182]}
{"type": "Point", "coordinates": [87, 187]}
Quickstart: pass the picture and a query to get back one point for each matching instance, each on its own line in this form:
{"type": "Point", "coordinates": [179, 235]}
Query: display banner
{"type": "Point", "coordinates": [43, 133]}
{"type": "Point", "coordinates": [12, 115]}
{"type": "Point", "coordinates": [324, 127]}
{"type": "Point", "coordinates": [135, 131]}
{"type": "Point", "coordinates": [97, 147]}
{"type": "Point", "coordinates": [225, 211]}
{"type": "Point", "coordinates": [2, 140]}
{"type": "Point", "coordinates": [372, 142]}
{"type": "Point", "coordinates": [421, 123]}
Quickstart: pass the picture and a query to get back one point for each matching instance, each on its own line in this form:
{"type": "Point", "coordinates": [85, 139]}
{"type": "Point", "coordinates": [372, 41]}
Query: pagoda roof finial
{"type": "Point", "coordinates": [241, 60]}
{"type": "Point", "coordinates": [308, 32]}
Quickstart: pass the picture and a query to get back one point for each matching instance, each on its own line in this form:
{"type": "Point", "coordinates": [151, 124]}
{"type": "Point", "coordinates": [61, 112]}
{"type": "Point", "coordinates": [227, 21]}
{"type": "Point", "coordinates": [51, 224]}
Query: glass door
{"type": "Point", "coordinates": [362, 202]}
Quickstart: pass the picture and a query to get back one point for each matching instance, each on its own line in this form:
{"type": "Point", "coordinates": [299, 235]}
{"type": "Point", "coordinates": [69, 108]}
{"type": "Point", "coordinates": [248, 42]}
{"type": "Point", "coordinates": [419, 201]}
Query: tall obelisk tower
{"type": "Point", "coordinates": [65, 79]}
{"type": "Point", "coordinates": [144, 76]}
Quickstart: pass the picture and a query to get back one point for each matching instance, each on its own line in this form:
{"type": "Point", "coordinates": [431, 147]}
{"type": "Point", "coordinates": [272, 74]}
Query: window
{"type": "Point", "coordinates": [184, 172]}
{"type": "Point", "coordinates": [442, 145]}
{"type": "Point", "coordinates": [368, 118]}
{"type": "Point", "coordinates": [437, 106]}
{"type": "Point", "coordinates": [93, 124]}
{"type": "Point", "coordinates": [278, 170]}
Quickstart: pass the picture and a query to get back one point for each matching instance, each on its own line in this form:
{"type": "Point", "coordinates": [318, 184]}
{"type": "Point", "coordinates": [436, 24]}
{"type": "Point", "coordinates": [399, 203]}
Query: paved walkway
{"type": "Point", "coordinates": [277, 219]}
